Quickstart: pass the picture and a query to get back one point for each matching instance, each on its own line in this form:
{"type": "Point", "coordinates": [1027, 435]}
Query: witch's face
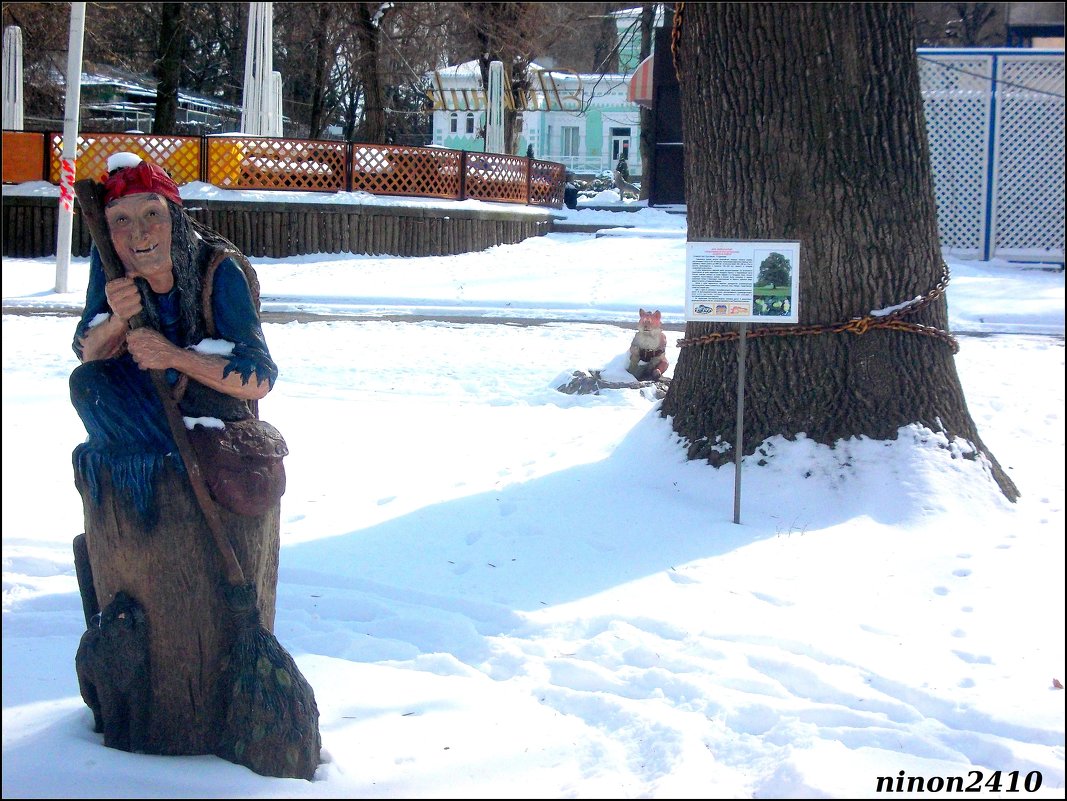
{"type": "Point", "coordinates": [141, 232]}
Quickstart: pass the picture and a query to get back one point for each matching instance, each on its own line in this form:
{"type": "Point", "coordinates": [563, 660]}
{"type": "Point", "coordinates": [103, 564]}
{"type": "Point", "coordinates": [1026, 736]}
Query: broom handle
{"type": "Point", "coordinates": [90, 197]}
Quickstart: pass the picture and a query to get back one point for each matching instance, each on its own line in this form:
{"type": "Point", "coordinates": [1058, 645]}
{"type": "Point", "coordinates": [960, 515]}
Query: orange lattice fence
{"type": "Point", "coordinates": [547, 181]}
{"type": "Point", "coordinates": [243, 162]}
{"type": "Point", "coordinates": [494, 176]}
{"type": "Point", "coordinates": [178, 155]}
{"type": "Point", "coordinates": [400, 170]}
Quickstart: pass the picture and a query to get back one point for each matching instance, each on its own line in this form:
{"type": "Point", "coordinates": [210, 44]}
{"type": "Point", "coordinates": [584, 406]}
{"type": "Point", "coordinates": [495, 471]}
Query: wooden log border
{"type": "Point", "coordinates": [277, 230]}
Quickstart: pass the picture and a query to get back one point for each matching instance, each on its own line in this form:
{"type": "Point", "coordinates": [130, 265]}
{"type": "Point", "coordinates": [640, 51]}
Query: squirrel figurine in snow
{"type": "Point", "coordinates": [647, 359]}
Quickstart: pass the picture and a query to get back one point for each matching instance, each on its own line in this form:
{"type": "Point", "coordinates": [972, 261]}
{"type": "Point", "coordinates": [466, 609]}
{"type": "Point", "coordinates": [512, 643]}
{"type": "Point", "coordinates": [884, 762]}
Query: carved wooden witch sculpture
{"type": "Point", "coordinates": [181, 485]}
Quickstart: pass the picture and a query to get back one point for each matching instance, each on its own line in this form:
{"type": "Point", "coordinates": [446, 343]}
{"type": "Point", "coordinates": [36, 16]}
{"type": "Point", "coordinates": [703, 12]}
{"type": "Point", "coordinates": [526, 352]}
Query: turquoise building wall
{"type": "Point", "coordinates": [594, 133]}
{"type": "Point", "coordinates": [463, 142]}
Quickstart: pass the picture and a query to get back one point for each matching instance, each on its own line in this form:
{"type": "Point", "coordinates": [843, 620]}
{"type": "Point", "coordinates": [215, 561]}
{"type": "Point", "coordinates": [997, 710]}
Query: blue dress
{"type": "Point", "coordinates": [128, 434]}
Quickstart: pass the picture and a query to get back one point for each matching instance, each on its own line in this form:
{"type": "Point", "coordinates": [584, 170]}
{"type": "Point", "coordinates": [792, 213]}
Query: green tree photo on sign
{"type": "Point", "coordinates": [774, 271]}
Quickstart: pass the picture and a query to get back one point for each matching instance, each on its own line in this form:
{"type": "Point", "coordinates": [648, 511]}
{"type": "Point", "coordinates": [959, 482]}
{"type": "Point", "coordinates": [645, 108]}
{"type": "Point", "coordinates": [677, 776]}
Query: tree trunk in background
{"type": "Point", "coordinates": [169, 67]}
{"type": "Point", "coordinates": [367, 28]}
{"type": "Point", "coordinates": [499, 32]}
{"type": "Point", "coordinates": [603, 44]}
{"type": "Point", "coordinates": [517, 76]}
{"type": "Point", "coordinates": [323, 59]}
{"type": "Point", "coordinates": [805, 122]}
{"type": "Point", "coordinates": [237, 56]}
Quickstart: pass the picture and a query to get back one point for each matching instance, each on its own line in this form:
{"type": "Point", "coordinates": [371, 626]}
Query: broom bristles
{"type": "Point", "coordinates": [272, 720]}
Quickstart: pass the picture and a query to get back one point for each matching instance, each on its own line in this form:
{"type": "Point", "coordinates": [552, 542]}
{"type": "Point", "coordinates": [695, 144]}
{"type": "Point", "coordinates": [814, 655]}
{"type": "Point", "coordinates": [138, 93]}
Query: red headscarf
{"type": "Point", "coordinates": [144, 177]}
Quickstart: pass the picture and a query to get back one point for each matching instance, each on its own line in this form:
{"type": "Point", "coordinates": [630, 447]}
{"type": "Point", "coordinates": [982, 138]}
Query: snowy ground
{"type": "Point", "coordinates": [501, 591]}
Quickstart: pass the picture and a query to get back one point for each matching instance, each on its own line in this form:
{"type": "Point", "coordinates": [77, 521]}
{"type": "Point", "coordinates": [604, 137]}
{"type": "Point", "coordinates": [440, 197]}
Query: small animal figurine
{"type": "Point", "coordinates": [647, 362]}
{"type": "Point", "coordinates": [112, 666]}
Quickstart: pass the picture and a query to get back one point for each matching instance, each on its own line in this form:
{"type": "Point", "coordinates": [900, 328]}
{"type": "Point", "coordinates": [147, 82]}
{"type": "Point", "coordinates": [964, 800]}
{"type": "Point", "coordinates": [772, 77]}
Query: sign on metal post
{"type": "Point", "coordinates": [742, 282]}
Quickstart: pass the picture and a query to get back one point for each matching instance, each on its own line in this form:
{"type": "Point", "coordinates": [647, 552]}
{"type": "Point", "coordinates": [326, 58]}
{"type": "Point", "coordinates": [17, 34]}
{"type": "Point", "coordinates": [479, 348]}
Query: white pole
{"type": "Point", "coordinates": [249, 101]}
{"type": "Point", "coordinates": [494, 115]}
{"type": "Point", "coordinates": [276, 103]}
{"type": "Point", "coordinates": [259, 69]}
{"type": "Point", "coordinates": [13, 119]}
{"type": "Point", "coordinates": [70, 145]}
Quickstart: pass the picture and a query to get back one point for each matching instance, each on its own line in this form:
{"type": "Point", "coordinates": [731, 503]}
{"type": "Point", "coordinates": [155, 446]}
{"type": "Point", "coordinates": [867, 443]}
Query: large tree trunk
{"type": "Point", "coordinates": [804, 122]}
{"type": "Point", "coordinates": [174, 572]}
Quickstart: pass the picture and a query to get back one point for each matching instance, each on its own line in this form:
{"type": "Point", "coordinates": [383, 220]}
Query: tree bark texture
{"type": "Point", "coordinates": [317, 115]}
{"type": "Point", "coordinates": [368, 30]}
{"type": "Point", "coordinates": [804, 122]}
{"type": "Point", "coordinates": [503, 32]}
{"type": "Point", "coordinates": [171, 50]}
{"type": "Point", "coordinates": [174, 571]}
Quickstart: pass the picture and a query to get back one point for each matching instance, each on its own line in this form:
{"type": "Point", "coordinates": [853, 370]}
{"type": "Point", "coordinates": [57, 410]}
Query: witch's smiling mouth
{"type": "Point", "coordinates": [140, 252]}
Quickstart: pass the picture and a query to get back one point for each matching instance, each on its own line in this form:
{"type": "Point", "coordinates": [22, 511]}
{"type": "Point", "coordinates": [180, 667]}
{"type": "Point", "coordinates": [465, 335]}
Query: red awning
{"type": "Point", "coordinates": [640, 91]}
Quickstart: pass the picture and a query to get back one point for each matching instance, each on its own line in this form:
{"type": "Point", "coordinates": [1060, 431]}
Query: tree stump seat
{"type": "Point", "coordinates": [173, 571]}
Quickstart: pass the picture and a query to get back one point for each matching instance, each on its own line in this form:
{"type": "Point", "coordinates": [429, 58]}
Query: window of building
{"type": "Point", "coordinates": [569, 141]}
{"type": "Point", "coordinates": [470, 123]}
{"type": "Point", "coordinates": [453, 122]}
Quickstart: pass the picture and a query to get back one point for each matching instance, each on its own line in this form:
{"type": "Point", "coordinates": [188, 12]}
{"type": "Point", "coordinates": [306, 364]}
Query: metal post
{"type": "Point", "coordinates": [70, 145]}
{"type": "Point", "coordinates": [739, 433]}
{"type": "Point", "coordinates": [462, 175]}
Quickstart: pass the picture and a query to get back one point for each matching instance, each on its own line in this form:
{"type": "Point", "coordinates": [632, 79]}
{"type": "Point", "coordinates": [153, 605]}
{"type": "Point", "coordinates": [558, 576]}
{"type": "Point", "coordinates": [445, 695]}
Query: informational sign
{"type": "Point", "coordinates": [742, 282]}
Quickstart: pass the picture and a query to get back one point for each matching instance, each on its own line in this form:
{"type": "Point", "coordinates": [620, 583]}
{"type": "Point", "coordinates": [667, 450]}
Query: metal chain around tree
{"type": "Point", "coordinates": [856, 325]}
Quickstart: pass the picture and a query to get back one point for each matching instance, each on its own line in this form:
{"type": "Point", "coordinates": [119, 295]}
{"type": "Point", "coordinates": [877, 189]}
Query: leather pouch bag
{"type": "Point", "coordinates": [242, 464]}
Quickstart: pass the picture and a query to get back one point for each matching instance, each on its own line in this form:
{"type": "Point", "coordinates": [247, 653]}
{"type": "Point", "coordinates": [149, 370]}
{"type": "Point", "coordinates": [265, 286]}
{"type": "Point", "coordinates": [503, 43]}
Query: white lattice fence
{"type": "Point", "coordinates": [1028, 149]}
{"type": "Point", "coordinates": [995, 120]}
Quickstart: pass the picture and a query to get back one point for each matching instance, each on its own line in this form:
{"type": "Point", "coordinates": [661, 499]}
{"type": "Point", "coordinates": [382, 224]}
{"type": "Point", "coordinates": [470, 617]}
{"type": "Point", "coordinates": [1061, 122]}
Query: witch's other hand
{"type": "Point", "coordinates": [150, 349]}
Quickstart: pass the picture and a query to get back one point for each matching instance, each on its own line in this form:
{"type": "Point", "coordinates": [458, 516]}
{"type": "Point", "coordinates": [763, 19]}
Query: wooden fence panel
{"type": "Point", "coordinates": [495, 176]}
{"type": "Point", "coordinates": [23, 157]}
{"type": "Point", "coordinates": [275, 163]}
{"type": "Point", "coordinates": [178, 155]}
{"type": "Point", "coordinates": [280, 230]}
